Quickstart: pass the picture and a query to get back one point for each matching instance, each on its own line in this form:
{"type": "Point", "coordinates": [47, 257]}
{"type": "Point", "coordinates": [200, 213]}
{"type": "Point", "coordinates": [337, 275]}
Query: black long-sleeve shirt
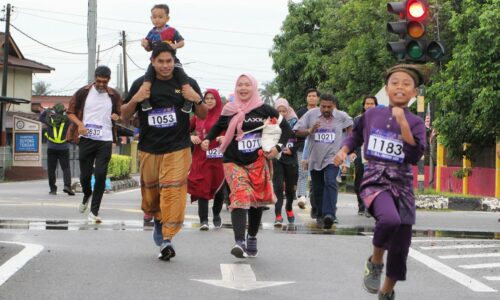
{"type": "Point", "coordinates": [253, 119]}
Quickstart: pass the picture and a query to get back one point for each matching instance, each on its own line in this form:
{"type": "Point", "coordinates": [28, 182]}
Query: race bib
{"type": "Point", "coordinates": [290, 143]}
{"type": "Point", "coordinates": [250, 142]}
{"type": "Point", "coordinates": [386, 145]}
{"type": "Point", "coordinates": [325, 136]}
{"type": "Point", "coordinates": [162, 117]}
{"type": "Point", "coordinates": [214, 153]}
{"type": "Point", "coordinates": [94, 131]}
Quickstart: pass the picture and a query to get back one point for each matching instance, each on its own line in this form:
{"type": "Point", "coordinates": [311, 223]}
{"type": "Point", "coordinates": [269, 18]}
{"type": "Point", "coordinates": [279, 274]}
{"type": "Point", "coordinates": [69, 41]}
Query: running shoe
{"type": "Point", "coordinates": [327, 222]}
{"type": "Point", "coordinates": [166, 250]}
{"type": "Point", "coordinates": [238, 250]}
{"type": "Point", "coordinates": [278, 222]}
{"type": "Point", "coordinates": [84, 205]}
{"type": "Point", "coordinates": [371, 280]}
{"type": "Point", "coordinates": [93, 219]}
{"type": "Point", "coordinates": [69, 191]}
{"type": "Point", "coordinates": [251, 249]}
{"type": "Point", "coordinates": [217, 221]}
{"type": "Point", "coordinates": [335, 220]}
{"type": "Point", "coordinates": [361, 212]}
{"type": "Point", "coordinates": [53, 192]}
{"type": "Point", "coordinates": [389, 296]}
{"type": "Point", "coordinates": [290, 216]}
{"type": "Point", "coordinates": [157, 233]}
{"type": "Point", "coordinates": [204, 226]}
{"type": "Point", "coordinates": [301, 202]}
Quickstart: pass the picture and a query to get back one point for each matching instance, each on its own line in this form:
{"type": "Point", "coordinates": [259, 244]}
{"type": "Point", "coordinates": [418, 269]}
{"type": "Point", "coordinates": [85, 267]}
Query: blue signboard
{"type": "Point", "coordinates": [26, 143]}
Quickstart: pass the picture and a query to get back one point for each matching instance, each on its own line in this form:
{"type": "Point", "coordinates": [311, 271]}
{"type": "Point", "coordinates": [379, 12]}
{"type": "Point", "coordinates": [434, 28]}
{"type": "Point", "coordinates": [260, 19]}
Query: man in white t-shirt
{"type": "Point", "coordinates": [93, 109]}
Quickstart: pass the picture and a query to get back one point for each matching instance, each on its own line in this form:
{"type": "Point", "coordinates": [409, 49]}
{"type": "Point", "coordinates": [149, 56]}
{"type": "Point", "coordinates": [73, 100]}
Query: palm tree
{"type": "Point", "coordinates": [41, 88]}
{"type": "Point", "coordinates": [267, 93]}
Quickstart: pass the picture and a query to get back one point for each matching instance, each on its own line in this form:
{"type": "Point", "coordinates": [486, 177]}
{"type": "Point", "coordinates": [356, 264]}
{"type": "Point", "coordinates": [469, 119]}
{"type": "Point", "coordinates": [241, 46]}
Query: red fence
{"type": "Point", "coordinates": [481, 183]}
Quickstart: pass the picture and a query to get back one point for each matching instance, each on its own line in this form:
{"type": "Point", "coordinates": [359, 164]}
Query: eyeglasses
{"type": "Point", "coordinates": [102, 81]}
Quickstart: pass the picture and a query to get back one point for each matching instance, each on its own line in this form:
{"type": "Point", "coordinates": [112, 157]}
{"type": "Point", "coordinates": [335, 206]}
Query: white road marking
{"type": "Point", "coordinates": [445, 240]}
{"type": "Point", "coordinates": [460, 247]}
{"type": "Point", "coordinates": [449, 272]}
{"type": "Point", "coordinates": [240, 277]}
{"type": "Point", "coordinates": [14, 264]}
{"type": "Point", "coordinates": [480, 255]}
{"type": "Point", "coordinates": [480, 266]}
{"type": "Point", "coordinates": [127, 191]}
{"type": "Point", "coordinates": [492, 278]}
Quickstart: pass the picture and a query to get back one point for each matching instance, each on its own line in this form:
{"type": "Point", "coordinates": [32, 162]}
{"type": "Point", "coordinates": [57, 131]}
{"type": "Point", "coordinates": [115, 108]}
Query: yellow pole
{"type": "Point", "coordinates": [133, 155]}
{"type": "Point", "coordinates": [440, 165]}
{"type": "Point", "coordinates": [497, 171]}
{"type": "Point", "coordinates": [466, 167]}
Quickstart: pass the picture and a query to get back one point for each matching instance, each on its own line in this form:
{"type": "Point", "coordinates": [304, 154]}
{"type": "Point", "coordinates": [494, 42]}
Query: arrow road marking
{"type": "Point", "coordinates": [241, 277]}
{"type": "Point", "coordinates": [17, 262]}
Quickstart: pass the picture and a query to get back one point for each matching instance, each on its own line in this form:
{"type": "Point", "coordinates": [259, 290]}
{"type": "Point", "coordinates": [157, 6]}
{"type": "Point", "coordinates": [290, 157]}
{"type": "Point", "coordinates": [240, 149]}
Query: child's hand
{"type": "Point", "coordinates": [305, 164]}
{"type": "Point", "coordinates": [145, 44]}
{"type": "Point", "coordinates": [399, 114]}
{"type": "Point", "coordinates": [204, 145]}
{"type": "Point", "coordinates": [220, 139]}
{"type": "Point", "coordinates": [195, 139]}
{"type": "Point", "coordinates": [339, 158]}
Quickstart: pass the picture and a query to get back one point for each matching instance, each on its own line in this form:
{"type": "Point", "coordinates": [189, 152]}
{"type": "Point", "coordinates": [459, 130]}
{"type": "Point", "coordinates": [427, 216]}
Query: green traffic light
{"type": "Point", "coordinates": [435, 50]}
{"type": "Point", "coordinates": [414, 50]}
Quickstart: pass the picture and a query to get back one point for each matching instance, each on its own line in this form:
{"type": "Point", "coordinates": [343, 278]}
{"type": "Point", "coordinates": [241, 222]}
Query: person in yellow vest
{"type": "Point", "coordinates": [57, 147]}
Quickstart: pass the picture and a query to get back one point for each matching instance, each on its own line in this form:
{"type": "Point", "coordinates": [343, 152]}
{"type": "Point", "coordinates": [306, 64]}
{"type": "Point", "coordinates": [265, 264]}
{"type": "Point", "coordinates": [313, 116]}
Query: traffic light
{"type": "Point", "coordinates": [412, 45]}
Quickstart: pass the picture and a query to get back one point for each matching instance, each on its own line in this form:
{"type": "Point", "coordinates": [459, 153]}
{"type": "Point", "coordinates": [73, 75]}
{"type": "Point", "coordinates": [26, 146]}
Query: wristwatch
{"type": "Point", "coordinates": [199, 102]}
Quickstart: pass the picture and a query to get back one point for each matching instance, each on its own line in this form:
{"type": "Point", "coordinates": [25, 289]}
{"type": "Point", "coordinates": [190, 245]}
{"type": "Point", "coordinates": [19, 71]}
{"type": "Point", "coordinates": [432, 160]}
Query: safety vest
{"type": "Point", "coordinates": [57, 139]}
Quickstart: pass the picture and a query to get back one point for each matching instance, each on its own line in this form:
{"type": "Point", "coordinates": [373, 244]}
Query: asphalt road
{"type": "Point", "coordinates": [117, 259]}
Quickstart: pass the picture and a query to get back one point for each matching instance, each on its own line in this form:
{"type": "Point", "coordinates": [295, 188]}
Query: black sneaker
{"type": "Point", "coordinates": [146, 105]}
{"type": "Point", "coordinates": [217, 221]}
{"type": "Point", "coordinates": [166, 250]}
{"type": "Point", "coordinates": [327, 222]}
{"type": "Point", "coordinates": [204, 226]}
{"type": "Point", "coordinates": [69, 191]}
{"type": "Point", "coordinates": [389, 296]}
{"type": "Point", "coordinates": [251, 246]}
{"type": "Point", "coordinates": [188, 107]}
{"type": "Point", "coordinates": [238, 250]}
{"type": "Point", "coordinates": [53, 193]}
{"type": "Point", "coordinates": [361, 212]}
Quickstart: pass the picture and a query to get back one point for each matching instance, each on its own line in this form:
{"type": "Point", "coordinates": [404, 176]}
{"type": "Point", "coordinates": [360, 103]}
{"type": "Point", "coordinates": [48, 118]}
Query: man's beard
{"type": "Point", "coordinates": [100, 90]}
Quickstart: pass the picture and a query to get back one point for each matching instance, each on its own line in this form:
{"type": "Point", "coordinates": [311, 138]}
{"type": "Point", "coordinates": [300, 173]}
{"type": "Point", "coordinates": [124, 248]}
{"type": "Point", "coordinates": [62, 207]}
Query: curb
{"type": "Point", "coordinates": [457, 203]}
{"type": "Point", "coordinates": [116, 185]}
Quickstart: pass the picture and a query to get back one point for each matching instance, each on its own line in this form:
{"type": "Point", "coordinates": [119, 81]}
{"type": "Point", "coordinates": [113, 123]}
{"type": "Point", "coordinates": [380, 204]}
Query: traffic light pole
{"type": "Point", "coordinates": [421, 114]}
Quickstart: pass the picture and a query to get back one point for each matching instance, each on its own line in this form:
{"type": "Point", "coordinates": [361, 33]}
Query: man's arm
{"type": "Point", "coordinates": [193, 95]}
{"type": "Point", "coordinates": [129, 108]}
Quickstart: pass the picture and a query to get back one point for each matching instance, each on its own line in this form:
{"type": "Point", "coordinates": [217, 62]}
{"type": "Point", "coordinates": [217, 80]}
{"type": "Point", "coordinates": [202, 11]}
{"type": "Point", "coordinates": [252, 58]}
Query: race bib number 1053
{"type": "Point", "coordinates": [162, 117]}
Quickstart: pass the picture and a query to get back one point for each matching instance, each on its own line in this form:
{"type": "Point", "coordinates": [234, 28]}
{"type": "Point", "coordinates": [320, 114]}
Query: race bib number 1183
{"type": "Point", "coordinates": [386, 145]}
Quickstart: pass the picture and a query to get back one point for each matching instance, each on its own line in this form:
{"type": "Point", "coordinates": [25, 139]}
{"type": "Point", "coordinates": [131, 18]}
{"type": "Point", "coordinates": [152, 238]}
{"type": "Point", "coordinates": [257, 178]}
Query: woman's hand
{"type": "Point", "coordinates": [195, 139]}
{"type": "Point", "coordinates": [271, 154]}
{"type": "Point", "coordinates": [204, 145]}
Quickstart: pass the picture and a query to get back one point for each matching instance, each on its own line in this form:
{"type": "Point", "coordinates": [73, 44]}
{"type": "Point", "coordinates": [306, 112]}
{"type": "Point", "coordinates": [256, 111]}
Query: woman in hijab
{"type": "Point", "coordinates": [285, 169]}
{"type": "Point", "coordinates": [206, 177]}
{"type": "Point", "coordinates": [246, 168]}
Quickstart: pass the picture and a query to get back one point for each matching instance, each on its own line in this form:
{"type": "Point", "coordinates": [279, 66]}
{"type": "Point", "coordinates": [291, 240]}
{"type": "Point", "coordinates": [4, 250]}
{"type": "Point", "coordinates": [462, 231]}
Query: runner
{"type": "Point", "coordinates": [164, 145]}
{"type": "Point", "coordinates": [245, 165]}
{"type": "Point", "coordinates": [394, 139]}
{"type": "Point", "coordinates": [285, 168]}
{"type": "Point", "coordinates": [93, 111]}
{"type": "Point", "coordinates": [206, 178]}
{"type": "Point", "coordinates": [323, 128]}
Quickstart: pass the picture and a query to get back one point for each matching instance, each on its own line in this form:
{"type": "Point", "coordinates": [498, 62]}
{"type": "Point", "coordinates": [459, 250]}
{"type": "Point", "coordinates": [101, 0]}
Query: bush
{"type": "Point", "coordinates": [119, 167]}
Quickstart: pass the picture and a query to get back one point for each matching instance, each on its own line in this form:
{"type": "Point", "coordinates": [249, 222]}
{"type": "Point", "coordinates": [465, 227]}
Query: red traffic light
{"type": "Point", "coordinates": [416, 10]}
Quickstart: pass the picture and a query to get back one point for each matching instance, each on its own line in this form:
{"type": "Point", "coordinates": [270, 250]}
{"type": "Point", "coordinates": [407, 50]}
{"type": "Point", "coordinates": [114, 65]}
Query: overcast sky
{"type": "Point", "coordinates": [224, 38]}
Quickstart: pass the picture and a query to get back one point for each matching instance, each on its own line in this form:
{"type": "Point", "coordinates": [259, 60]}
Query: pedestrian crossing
{"type": "Point", "coordinates": [473, 263]}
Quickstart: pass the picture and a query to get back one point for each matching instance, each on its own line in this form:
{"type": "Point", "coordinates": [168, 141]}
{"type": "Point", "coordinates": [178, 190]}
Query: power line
{"type": "Point", "coordinates": [53, 48]}
{"type": "Point", "coordinates": [141, 68]}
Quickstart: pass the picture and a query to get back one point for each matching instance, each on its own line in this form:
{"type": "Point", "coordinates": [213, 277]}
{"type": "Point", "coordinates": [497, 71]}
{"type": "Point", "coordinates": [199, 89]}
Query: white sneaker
{"type": "Point", "coordinates": [302, 202]}
{"type": "Point", "coordinates": [83, 207]}
{"type": "Point", "coordinates": [93, 219]}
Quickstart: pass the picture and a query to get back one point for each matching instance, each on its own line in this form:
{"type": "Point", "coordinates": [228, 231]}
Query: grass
{"type": "Point", "coordinates": [444, 194]}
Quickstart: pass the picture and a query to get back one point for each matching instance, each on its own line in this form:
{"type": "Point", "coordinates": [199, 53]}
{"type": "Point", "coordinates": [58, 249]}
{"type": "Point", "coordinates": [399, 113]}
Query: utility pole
{"type": "Point", "coordinates": [92, 38]}
{"type": "Point", "coordinates": [98, 52]}
{"type": "Point", "coordinates": [5, 72]}
{"type": "Point", "coordinates": [125, 77]}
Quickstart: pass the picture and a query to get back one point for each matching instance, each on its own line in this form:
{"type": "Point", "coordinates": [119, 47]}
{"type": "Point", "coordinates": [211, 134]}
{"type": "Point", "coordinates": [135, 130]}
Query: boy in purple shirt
{"type": "Point", "coordinates": [163, 33]}
{"type": "Point", "coordinates": [394, 139]}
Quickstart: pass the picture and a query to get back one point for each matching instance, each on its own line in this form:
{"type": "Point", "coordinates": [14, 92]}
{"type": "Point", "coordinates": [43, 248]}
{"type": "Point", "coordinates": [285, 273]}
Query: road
{"type": "Point", "coordinates": [48, 251]}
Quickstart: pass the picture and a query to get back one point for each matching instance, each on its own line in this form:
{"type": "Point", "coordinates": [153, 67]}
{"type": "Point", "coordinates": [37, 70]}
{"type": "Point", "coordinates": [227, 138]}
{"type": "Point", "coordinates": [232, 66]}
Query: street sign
{"type": "Point", "coordinates": [27, 143]}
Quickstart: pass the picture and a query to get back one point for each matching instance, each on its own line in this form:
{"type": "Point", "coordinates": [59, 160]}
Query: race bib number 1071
{"type": "Point", "coordinates": [250, 142]}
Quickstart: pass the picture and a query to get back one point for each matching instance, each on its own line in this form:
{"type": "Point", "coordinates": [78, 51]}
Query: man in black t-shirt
{"type": "Point", "coordinates": [164, 146]}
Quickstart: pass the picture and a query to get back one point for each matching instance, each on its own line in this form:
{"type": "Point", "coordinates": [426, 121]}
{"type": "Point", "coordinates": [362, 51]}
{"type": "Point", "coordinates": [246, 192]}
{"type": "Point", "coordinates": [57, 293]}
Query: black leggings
{"type": "Point", "coordinates": [239, 220]}
{"type": "Point", "coordinates": [289, 175]}
{"type": "Point", "coordinates": [216, 208]}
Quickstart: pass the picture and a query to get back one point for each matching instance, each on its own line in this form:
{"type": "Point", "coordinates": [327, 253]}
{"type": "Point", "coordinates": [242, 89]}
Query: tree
{"type": "Point", "coordinates": [267, 93]}
{"type": "Point", "coordinates": [468, 88]}
{"type": "Point", "coordinates": [41, 88]}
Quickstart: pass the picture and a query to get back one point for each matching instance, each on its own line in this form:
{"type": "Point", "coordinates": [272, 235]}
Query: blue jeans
{"type": "Point", "coordinates": [325, 190]}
